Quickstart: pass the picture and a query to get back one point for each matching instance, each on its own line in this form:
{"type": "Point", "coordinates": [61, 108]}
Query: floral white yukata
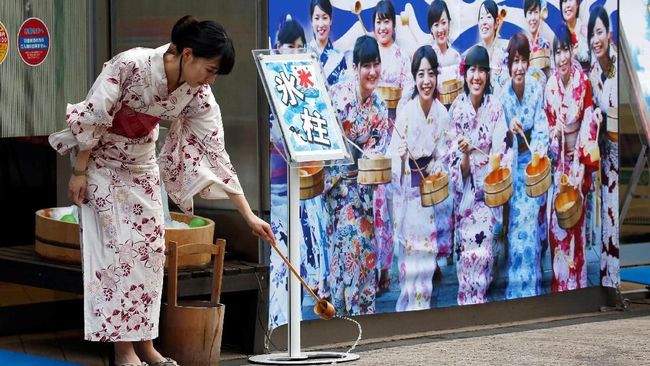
{"type": "Point", "coordinates": [448, 65]}
{"type": "Point", "coordinates": [475, 222]}
{"type": "Point", "coordinates": [121, 219]}
{"type": "Point", "coordinates": [423, 233]}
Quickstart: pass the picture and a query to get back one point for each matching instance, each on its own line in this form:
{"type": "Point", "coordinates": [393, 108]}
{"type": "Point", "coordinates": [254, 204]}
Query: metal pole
{"type": "Point", "coordinates": [294, 258]}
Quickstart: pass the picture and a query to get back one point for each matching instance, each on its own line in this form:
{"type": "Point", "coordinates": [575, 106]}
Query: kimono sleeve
{"type": "Point", "coordinates": [587, 143]}
{"type": "Point", "coordinates": [550, 110]}
{"type": "Point", "coordinates": [88, 120]}
{"type": "Point", "coordinates": [194, 158]}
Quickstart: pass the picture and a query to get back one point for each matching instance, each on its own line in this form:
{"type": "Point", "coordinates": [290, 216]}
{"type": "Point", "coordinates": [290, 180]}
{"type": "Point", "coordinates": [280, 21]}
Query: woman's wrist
{"type": "Point", "coordinates": [79, 172]}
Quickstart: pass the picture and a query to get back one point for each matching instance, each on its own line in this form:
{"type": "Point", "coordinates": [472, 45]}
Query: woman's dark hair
{"type": "Point", "coordinates": [324, 5]}
{"type": "Point", "coordinates": [532, 4]}
{"type": "Point", "coordinates": [477, 56]}
{"type": "Point", "coordinates": [206, 39]}
{"type": "Point", "coordinates": [436, 9]}
{"type": "Point", "coordinates": [597, 12]}
{"type": "Point", "coordinates": [577, 10]}
{"type": "Point", "coordinates": [384, 10]}
{"type": "Point", "coordinates": [518, 44]}
{"type": "Point", "coordinates": [290, 31]}
{"type": "Point", "coordinates": [492, 8]}
{"type": "Point", "coordinates": [562, 38]}
{"type": "Point", "coordinates": [425, 52]}
{"type": "Point", "coordinates": [366, 49]}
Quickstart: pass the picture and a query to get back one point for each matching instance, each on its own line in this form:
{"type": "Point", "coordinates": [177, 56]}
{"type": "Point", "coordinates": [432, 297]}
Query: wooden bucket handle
{"type": "Point", "coordinates": [217, 250]}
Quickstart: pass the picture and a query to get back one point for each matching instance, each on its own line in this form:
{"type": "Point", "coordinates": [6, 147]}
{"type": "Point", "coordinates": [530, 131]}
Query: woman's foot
{"type": "Point", "coordinates": [147, 353]}
{"type": "Point", "coordinates": [125, 354]}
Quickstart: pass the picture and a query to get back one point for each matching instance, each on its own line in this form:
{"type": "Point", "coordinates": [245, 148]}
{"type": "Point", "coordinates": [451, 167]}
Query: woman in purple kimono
{"type": "Point", "coordinates": [116, 182]}
{"type": "Point", "coordinates": [477, 121]}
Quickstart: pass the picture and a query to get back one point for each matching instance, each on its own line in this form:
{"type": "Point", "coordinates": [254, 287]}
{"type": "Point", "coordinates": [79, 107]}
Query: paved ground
{"type": "Point", "coordinates": [610, 338]}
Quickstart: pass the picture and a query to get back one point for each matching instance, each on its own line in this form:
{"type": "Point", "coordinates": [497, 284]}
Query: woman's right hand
{"type": "Point", "coordinates": [77, 189]}
{"type": "Point", "coordinates": [463, 145]}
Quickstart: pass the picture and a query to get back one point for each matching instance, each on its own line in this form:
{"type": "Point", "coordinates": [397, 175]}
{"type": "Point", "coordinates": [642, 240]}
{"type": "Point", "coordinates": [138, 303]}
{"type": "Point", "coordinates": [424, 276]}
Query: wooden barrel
{"type": "Point", "coordinates": [191, 329]}
{"type": "Point", "coordinates": [540, 58]}
{"type": "Point", "coordinates": [391, 95]}
{"type": "Point", "coordinates": [311, 182]}
{"type": "Point", "coordinates": [568, 206]}
{"type": "Point", "coordinates": [498, 187]}
{"type": "Point", "coordinates": [612, 124]}
{"type": "Point", "coordinates": [376, 170]}
{"type": "Point", "coordinates": [434, 189]}
{"type": "Point", "coordinates": [538, 176]}
{"type": "Point", "coordinates": [449, 90]}
{"type": "Point", "coordinates": [59, 240]}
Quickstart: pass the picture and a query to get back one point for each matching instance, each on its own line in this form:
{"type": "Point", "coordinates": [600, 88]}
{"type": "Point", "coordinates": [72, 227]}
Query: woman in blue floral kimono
{"type": "Point", "coordinates": [364, 117]}
{"type": "Point", "coordinates": [604, 83]}
{"type": "Point", "coordinates": [423, 233]}
{"type": "Point", "coordinates": [332, 60]}
{"type": "Point", "coordinates": [478, 121]}
{"type": "Point", "coordinates": [523, 104]}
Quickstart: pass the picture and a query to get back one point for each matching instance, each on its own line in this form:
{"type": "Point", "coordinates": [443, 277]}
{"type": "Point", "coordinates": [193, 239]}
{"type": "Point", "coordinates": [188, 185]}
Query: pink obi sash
{"type": "Point", "coordinates": [132, 124]}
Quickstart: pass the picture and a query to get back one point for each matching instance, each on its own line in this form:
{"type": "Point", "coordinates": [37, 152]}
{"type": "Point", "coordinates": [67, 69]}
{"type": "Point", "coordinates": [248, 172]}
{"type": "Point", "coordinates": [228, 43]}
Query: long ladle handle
{"type": "Point", "coordinates": [293, 270]}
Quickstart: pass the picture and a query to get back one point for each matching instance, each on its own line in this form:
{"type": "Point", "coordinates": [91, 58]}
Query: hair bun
{"type": "Point", "coordinates": [183, 28]}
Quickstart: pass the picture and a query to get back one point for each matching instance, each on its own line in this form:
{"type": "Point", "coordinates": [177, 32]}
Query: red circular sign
{"type": "Point", "coordinates": [33, 41]}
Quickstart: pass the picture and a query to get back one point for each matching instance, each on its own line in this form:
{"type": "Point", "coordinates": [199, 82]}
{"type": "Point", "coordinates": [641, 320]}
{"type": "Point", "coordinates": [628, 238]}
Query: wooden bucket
{"type": "Point", "coordinates": [191, 330]}
{"type": "Point", "coordinates": [376, 170]}
{"type": "Point", "coordinates": [498, 187]}
{"type": "Point", "coordinates": [59, 240]}
{"type": "Point", "coordinates": [434, 189]}
{"type": "Point", "coordinates": [538, 176]}
{"type": "Point", "coordinates": [449, 90]}
{"type": "Point", "coordinates": [612, 124]}
{"type": "Point", "coordinates": [540, 58]}
{"type": "Point", "coordinates": [311, 182]}
{"type": "Point", "coordinates": [568, 205]}
{"type": "Point", "coordinates": [391, 95]}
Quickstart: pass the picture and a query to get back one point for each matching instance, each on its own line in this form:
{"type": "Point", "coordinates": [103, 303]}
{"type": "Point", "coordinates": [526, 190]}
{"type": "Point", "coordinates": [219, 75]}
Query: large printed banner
{"type": "Point", "coordinates": [500, 121]}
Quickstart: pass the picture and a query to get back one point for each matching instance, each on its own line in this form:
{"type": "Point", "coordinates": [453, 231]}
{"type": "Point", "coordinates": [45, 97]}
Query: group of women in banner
{"type": "Point", "coordinates": [463, 116]}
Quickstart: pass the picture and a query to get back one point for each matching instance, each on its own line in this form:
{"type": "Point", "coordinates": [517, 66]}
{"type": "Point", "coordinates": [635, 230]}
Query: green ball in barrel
{"type": "Point", "coordinates": [68, 218]}
{"type": "Point", "coordinates": [197, 222]}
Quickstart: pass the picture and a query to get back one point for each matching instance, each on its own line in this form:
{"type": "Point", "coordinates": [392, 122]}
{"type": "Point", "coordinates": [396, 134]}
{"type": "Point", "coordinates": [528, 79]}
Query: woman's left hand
{"type": "Point", "coordinates": [261, 228]}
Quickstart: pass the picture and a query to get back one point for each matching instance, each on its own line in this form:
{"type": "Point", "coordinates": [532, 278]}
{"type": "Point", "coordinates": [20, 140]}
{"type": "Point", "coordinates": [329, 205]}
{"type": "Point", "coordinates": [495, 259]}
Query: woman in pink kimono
{"type": "Point", "coordinates": [604, 83]}
{"type": "Point", "coordinates": [477, 121]}
{"type": "Point", "coordinates": [116, 182]}
{"type": "Point", "coordinates": [422, 233]}
{"type": "Point", "coordinates": [573, 124]}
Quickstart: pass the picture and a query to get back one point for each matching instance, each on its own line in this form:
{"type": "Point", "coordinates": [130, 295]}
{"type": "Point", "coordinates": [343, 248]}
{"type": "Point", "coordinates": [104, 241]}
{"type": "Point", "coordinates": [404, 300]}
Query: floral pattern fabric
{"type": "Point", "coordinates": [122, 217]}
{"type": "Point", "coordinates": [570, 109]}
{"type": "Point", "coordinates": [524, 232]}
{"type": "Point", "coordinates": [352, 249]}
{"type": "Point", "coordinates": [423, 234]}
{"type": "Point", "coordinates": [476, 223]}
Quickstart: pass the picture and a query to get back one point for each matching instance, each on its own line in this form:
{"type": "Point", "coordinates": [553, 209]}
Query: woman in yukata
{"type": "Point", "coordinates": [573, 124]}
{"type": "Point", "coordinates": [116, 182]}
{"type": "Point", "coordinates": [313, 243]}
{"type": "Point", "coordinates": [488, 25]}
{"type": "Point", "coordinates": [395, 62]}
{"type": "Point", "coordinates": [332, 60]}
{"type": "Point", "coordinates": [423, 233]}
{"type": "Point", "coordinates": [364, 117]}
{"type": "Point", "coordinates": [523, 104]}
{"type": "Point", "coordinates": [439, 21]}
{"type": "Point", "coordinates": [538, 44]}
{"type": "Point", "coordinates": [394, 73]}
{"type": "Point", "coordinates": [477, 121]}
{"type": "Point", "coordinates": [604, 83]}
{"type": "Point", "coordinates": [570, 10]}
